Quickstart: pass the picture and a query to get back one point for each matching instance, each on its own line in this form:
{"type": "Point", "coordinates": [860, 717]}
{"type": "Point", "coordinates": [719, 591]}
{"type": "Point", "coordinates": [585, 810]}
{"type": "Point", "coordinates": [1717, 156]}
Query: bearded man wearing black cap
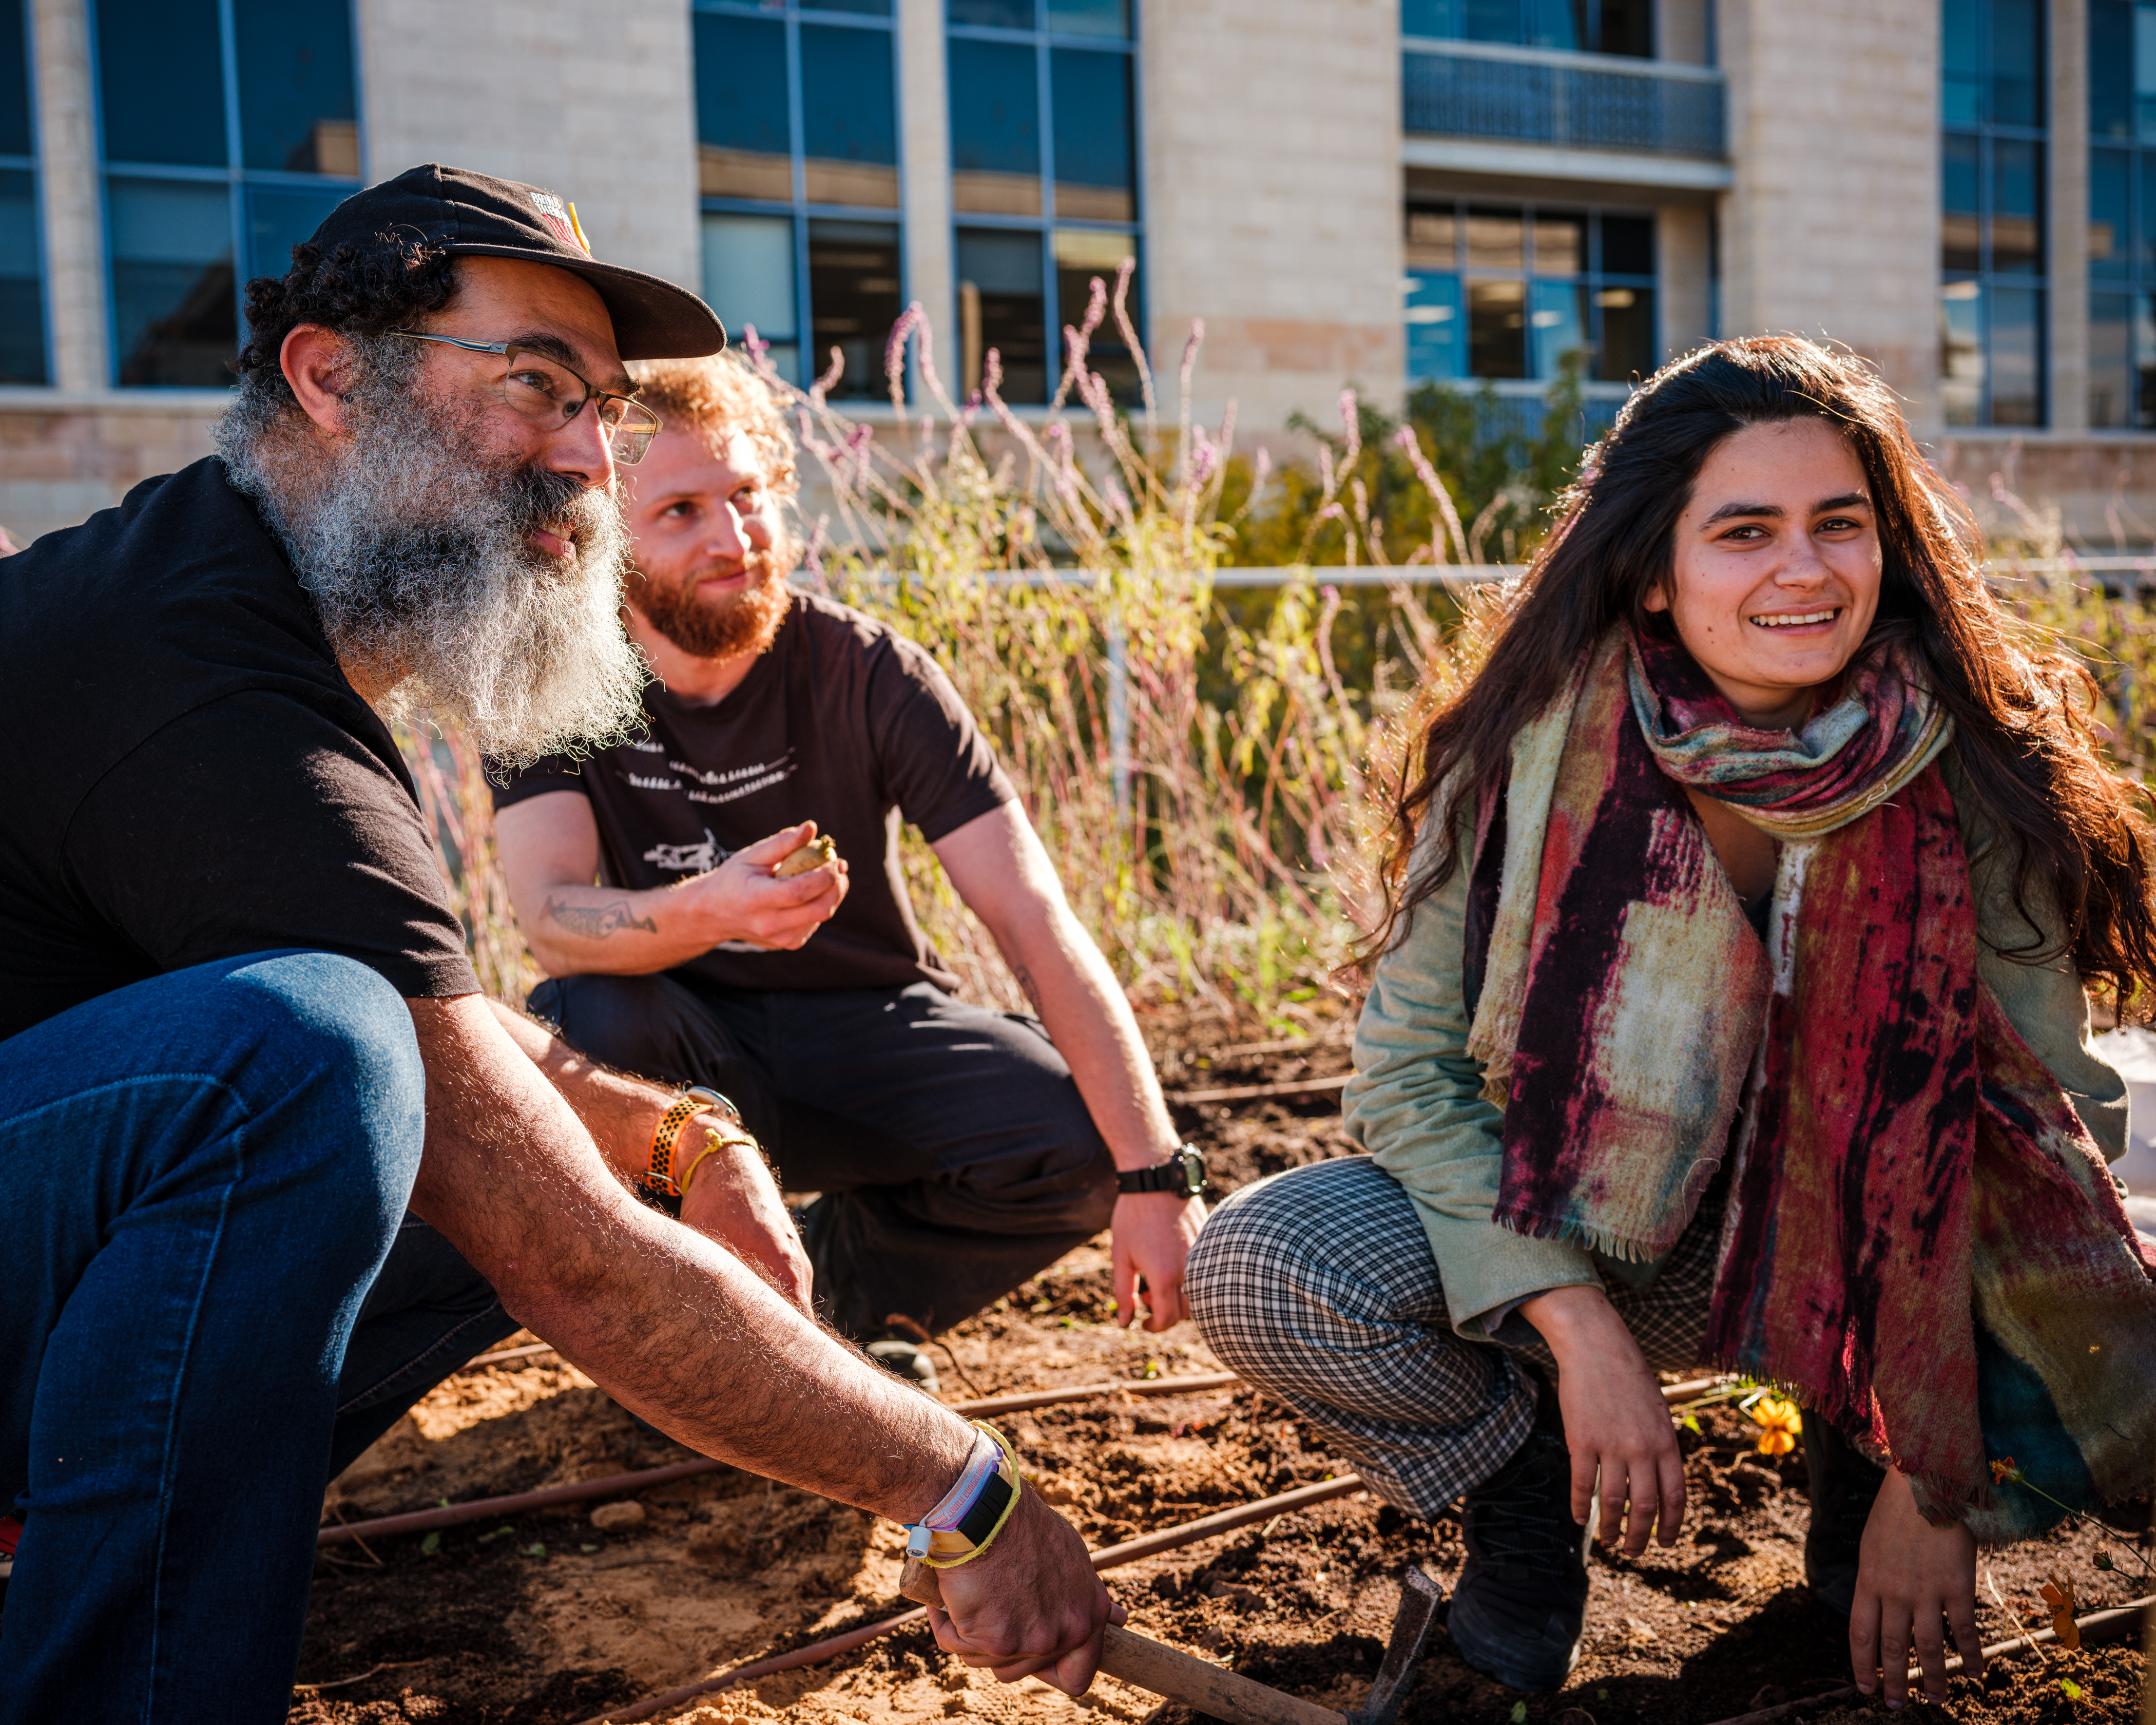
{"type": "Point", "coordinates": [274, 1166]}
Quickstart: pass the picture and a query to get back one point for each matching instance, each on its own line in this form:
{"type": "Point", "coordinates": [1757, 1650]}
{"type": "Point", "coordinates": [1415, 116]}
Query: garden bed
{"type": "Point", "coordinates": [546, 1619]}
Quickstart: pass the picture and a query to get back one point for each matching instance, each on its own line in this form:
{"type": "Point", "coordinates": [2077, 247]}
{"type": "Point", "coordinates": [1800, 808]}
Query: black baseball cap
{"type": "Point", "coordinates": [471, 214]}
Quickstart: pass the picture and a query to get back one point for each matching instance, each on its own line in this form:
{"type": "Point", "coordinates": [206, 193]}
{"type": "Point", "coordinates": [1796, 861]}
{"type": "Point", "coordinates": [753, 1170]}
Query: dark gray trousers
{"type": "Point", "coordinates": [954, 1154]}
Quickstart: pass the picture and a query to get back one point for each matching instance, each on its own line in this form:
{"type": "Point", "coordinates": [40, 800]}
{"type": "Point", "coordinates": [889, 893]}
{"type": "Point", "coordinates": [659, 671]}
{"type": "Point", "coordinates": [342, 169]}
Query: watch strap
{"type": "Point", "coordinates": [1184, 1172]}
{"type": "Point", "coordinates": [659, 1188]}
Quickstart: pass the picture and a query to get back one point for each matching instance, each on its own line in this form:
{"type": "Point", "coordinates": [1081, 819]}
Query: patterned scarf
{"type": "Point", "coordinates": [1921, 1240]}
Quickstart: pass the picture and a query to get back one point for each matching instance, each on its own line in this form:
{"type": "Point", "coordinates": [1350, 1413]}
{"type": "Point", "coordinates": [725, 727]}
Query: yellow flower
{"type": "Point", "coordinates": [1779, 1421]}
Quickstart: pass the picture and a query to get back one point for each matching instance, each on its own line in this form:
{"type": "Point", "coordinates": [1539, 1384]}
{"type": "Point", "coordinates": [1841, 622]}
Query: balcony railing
{"type": "Point", "coordinates": [1524, 95]}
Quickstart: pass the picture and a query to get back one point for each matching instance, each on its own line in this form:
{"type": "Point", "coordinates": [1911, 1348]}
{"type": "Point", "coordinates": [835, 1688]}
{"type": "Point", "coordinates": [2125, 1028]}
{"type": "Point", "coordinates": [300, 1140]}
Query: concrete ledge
{"type": "Point", "coordinates": [20, 398]}
{"type": "Point", "coordinates": [1608, 167]}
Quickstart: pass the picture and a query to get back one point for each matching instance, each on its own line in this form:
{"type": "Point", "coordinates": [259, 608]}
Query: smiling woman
{"type": "Point", "coordinates": [1731, 1010]}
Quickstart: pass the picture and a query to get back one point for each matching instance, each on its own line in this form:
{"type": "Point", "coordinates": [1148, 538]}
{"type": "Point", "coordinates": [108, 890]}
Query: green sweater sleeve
{"type": "Point", "coordinates": [1415, 1105]}
{"type": "Point", "coordinates": [2046, 1002]}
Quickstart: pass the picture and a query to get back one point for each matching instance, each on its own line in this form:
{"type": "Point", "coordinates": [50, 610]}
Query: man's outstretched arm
{"type": "Point", "coordinates": [681, 1332]}
{"type": "Point", "coordinates": [1001, 870]}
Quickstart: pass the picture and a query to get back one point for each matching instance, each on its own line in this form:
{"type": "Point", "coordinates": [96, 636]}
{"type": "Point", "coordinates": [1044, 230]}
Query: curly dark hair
{"type": "Point", "coordinates": [359, 291]}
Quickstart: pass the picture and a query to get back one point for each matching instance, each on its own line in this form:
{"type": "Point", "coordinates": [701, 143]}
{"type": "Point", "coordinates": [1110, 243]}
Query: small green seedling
{"type": "Point", "coordinates": [495, 1533]}
{"type": "Point", "coordinates": [535, 1550]}
{"type": "Point", "coordinates": [1519, 1712]}
{"type": "Point", "coordinates": [2070, 1689]}
{"type": "Point", "coordinates": [431, 1544]}
{"type": "Point", "coordinates": [587, 1549]}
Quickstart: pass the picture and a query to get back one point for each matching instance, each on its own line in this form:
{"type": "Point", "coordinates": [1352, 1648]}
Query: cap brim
{"type": "Point", "coordinates": [653, 319]}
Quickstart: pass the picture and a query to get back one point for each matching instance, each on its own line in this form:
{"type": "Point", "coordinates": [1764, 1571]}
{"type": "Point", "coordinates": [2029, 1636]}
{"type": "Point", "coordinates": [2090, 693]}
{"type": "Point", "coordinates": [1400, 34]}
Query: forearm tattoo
{"type": "Point", "coordinates": [598, 922]}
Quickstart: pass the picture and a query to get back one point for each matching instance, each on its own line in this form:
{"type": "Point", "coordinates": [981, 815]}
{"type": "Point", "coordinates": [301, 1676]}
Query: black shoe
{"type": "Point", "coordinates": [907, 1359]}
{"type": "Point", "coordinates": [1843, 1482]}
{"type": "Point", "coordinates": [1522, 1598]}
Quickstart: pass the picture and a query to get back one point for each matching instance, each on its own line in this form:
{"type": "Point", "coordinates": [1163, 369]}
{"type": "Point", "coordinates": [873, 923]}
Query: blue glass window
{"type": "Point", "coordinates": [1095, 163]}
{"type": "Point", "coordinates": [1993, 154]}
{"type": "Point", "coordinates": [296, 87]}
{"type": "Point", "coordinates": [850, 116]}
{"type": "Point", "coordinates": [160, 76]}
{"type": "Point", "coordinates": [22, 250]}
{"type": "Point", "coordinates": [995, 128]}
{"type": "Point", "coordinates": [1043, 160]}
{"type": "Point", "coordinates": [1433, 325]}
{"type": "Point", "coordinates": [993, 14]}
{"type": "Point", "coordinates": [2121, 215]}
{"type": "Point", "coordinates": [15, 138]}
{"type": "Point", "coordinates": [210, 182]}
{"type": "Point", "coordinates": [1089, 17]}
{"type": "Point", "coordinates": [22, 291]}
{"type": "Point", "coordinates": [1002, 305]}
{"type": "Point", "coordinates": [797, 129]}
{"type": "Point", "coordinates": [1507, 292]}
{"type": "Point", "coordinates": [1624, 27]}
{"type": "Point", "coordinates": [173, 320]}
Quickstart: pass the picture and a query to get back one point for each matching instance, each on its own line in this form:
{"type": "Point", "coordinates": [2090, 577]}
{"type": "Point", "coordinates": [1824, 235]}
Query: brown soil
{"type": "Point", "coordinates": [546, 1619]}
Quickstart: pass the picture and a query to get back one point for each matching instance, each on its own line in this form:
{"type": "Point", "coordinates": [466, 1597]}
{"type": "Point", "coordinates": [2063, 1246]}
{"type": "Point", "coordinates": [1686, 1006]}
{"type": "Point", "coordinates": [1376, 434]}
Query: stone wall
{"type": "Point", "coordinates": [591, 102]}
{"type": "Point", "coordinates": [62, 460]}
{"type": "Point", "coordinates": [1832, 228]}
{"type": "Point", "coordinates": [1272, 181]}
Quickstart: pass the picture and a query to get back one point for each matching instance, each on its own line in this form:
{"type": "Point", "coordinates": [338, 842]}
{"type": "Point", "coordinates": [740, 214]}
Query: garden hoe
{"type": "Point", "coordinates": [1223, 1694]}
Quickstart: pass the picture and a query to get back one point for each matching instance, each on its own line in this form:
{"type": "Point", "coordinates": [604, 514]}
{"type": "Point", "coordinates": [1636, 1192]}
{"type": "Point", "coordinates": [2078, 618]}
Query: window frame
{"type": "Point", "coordinates": [238, 179]}
{"type": "Point", "coordinates": [33, 165]}
{"type": "Point", "coordinates": [797, 208]}
{"type": "Point", "coordinates": [1594, 279]}
{"type": "Point", "coordinates": [2136, 284]}
{"type": "Point", "coordinates": [1044, 41]}
{"type": "Point", "coordinates": [1987, 132]}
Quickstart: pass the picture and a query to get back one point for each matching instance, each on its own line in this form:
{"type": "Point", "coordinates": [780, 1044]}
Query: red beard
{"type": "Point", "coordinates": [744, 622]}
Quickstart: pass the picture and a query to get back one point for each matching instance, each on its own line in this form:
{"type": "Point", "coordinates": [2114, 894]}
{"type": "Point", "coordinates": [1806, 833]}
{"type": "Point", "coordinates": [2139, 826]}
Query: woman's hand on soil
{"type": "Point", "coordinates": [1909, 1575]}
{"type": "Point", "coordinates": [1616, 1424]}
{"type": "Point", "coordinates": [1030, 1606]}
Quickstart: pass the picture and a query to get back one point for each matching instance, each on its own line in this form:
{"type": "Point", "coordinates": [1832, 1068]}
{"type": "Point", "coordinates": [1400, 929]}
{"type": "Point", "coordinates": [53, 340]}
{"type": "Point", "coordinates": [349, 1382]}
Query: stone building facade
{"type": "Point", "coordinates": [1379, 192]}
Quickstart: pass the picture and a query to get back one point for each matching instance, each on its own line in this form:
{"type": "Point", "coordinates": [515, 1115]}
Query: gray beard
{"type": "Point", "coordinates": [412, 543]}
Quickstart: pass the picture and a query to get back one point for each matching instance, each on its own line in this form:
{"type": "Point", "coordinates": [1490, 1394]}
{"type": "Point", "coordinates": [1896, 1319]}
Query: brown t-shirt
{"type": "Point", "coordinates": [842, 722]}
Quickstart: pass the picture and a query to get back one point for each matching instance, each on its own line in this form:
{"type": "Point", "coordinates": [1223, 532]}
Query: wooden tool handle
{"type": "Point", "coordinates": [1167, 1670]}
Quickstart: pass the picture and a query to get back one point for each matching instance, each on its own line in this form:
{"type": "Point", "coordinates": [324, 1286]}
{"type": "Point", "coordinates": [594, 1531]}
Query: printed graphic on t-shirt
{"type": "Point", "coordinates": [688, 859]}
{"type": "Point", "coordinates": [734, 783]}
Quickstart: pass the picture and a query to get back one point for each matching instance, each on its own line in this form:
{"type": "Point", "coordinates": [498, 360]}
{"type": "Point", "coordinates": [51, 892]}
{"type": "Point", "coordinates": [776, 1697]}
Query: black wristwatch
{"type": "Point", "coordinates": [1183, 1172]}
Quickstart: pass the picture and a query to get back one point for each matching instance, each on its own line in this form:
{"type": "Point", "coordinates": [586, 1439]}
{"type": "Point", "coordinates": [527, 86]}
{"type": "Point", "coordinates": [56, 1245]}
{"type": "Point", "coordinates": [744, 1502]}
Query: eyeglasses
{"type": "Point", "coordinates": [545, 390]}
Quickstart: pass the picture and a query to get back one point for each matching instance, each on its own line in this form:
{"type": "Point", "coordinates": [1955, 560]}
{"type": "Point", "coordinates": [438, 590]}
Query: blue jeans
{"type": "Point", "coordinates": [201, 1175]}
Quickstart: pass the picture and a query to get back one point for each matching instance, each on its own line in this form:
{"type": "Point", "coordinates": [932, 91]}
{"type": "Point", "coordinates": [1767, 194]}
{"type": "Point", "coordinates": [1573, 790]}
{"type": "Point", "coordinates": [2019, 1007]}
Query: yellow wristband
{"type": "Point", "coordinates": [710, 1149]}
{"type": "Point", "coordinates": [1017, 1485]}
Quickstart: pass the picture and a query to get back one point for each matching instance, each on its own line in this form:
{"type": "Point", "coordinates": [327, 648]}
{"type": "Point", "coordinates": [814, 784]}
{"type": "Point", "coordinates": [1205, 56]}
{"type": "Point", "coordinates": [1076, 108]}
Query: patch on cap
{"type": "Point", "coordinates": [562, 218]}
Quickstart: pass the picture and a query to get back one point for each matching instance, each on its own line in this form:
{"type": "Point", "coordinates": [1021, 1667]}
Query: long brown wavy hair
{"type": "Point", "coordinates": [2023, 730]}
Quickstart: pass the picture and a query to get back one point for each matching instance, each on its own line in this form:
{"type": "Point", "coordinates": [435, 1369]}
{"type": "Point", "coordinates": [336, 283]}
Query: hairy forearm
{"type": "Point", "coordinates": [1090, 1020]}
{"type": "Point", "coordinates": [670, 1323]}
{"type": "Point", "coordinates": [621, 1112]}
{"type": "Point", "coordinates": [576, 931]}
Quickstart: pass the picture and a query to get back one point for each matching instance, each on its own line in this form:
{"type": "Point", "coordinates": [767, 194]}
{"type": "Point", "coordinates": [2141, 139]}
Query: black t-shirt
{"type": "Point", "coordinates": [193, 777]}
{"type": "Point", "coordinates": [842, 722]}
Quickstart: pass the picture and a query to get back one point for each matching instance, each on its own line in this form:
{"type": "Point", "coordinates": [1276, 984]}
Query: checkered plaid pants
{"type": "Point", "coordinates": [1318, 1285]}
